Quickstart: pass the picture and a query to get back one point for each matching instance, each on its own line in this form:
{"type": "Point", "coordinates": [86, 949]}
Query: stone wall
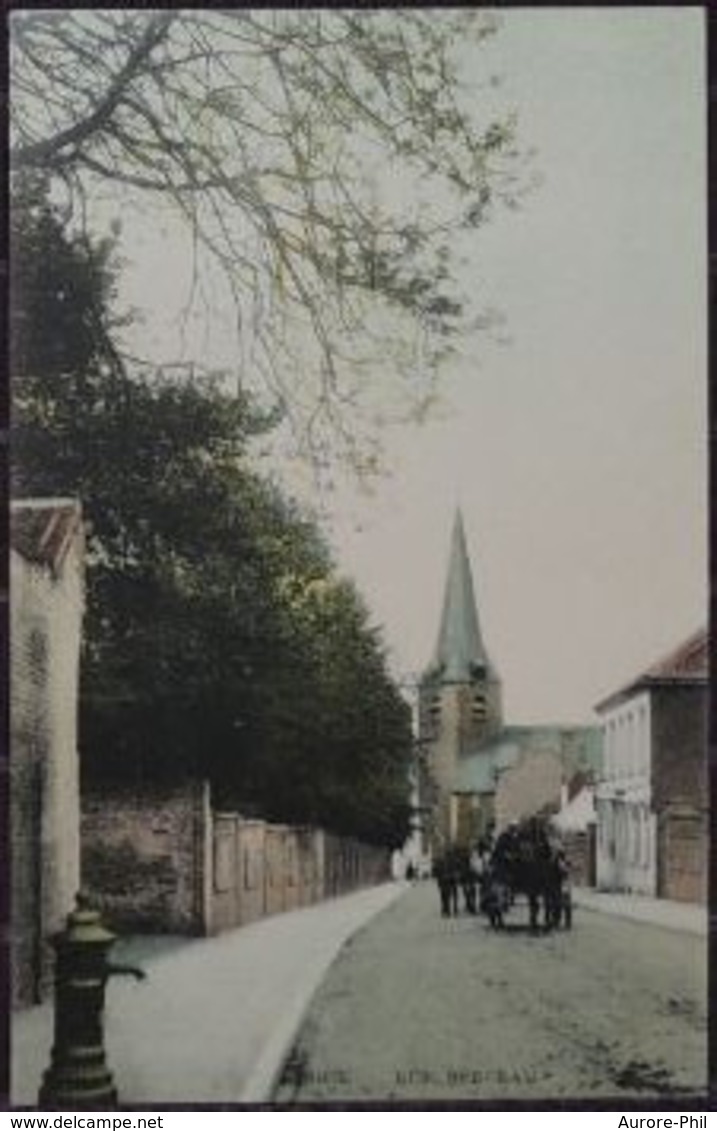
{"type": "Point", "coordinates": [275, 871]}
{"type": "Point", "coordinates": [146, 857]}
{"type": "Point", "coordinates": [263, 869]}
{"type": "Point", "coordinates": [238, 871]}
{"type": "Point", "coordinates": [45, 632]}
{"type": "Point", "coordinates": [249, 874]}
{"type": "Point", "coordinates": [164, 862]}
{"type": "Point", "coordinates": [310, 858]}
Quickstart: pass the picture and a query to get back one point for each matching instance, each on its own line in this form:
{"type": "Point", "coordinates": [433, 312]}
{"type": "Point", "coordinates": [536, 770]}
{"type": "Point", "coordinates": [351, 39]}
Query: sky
{"type": "Point", "coordinates": [576, 448]}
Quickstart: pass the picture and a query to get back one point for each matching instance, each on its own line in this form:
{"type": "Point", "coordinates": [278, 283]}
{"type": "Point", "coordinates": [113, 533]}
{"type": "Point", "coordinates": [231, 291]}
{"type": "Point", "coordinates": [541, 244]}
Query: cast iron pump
{"type": "Point", "coordinates": [78, 1074]}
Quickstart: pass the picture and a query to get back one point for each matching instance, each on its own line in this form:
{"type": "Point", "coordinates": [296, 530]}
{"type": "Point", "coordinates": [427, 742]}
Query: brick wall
{"type": "Point", "coordinates": [145, 857]}
{"type": "Point", "coordinates": [163, 862]}
{"type": "Point", "coordinates": [679, 746]}
{"type": "Point", "coordinates": [683, 855]}
{"type": "Point", "coordinates": [680, 793]}
{"type": "Point", "coordinates": [45, 633]}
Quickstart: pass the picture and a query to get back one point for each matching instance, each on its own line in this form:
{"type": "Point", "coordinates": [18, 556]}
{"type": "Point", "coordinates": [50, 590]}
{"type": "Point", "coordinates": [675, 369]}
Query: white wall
{"type": "Point", "coordinates": [626, 840]}
{"type": "Point", "coordinates": [45, 637]}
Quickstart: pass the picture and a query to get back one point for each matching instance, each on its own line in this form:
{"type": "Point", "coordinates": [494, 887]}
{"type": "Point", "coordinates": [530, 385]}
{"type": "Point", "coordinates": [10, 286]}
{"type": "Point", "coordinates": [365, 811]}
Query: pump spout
{"type": "Point", "coordinates": [133, 971]}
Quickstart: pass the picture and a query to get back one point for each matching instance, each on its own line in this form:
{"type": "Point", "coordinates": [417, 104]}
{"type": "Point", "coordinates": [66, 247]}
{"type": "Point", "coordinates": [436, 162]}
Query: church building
{"type": "Point", "coordinates": [475, 771]}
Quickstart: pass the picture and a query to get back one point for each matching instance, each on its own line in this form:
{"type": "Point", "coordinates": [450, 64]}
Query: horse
{"type": "Point", "coordinates": [524, 862]}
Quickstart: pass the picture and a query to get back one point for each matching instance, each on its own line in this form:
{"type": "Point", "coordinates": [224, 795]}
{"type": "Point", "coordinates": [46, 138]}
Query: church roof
{"type": "Point", "coordinates": [460, 644]}
{"type": "Point", "coordinates": [478, 771]}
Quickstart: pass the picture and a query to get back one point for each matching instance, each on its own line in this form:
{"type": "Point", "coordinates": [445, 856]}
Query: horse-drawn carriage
{"type": "Point", "coordinates": [524, 862]}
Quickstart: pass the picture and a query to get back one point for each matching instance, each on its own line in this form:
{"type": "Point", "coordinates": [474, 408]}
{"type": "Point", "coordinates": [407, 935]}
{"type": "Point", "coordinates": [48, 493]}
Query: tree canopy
{"type": "Point", "coordinates": [219, 639]}
{"type": "Point", "coordinates": [325, 158]}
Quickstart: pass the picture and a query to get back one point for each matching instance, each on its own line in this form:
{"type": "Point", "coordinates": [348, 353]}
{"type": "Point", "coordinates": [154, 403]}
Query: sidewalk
{"type": "Point", "coordinates": [689, 917]}
{"type": "Point", "coordinates": [214, 1018]}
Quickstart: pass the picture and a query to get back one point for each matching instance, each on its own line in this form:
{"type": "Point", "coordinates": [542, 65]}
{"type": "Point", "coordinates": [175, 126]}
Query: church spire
{"type": "Point", "coordinates": [460, 648]}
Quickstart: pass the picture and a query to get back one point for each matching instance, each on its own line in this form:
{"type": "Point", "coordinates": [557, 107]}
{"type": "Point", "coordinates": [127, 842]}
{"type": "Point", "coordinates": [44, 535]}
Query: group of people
{"type": "Point", "coordinates": [460, 870]}
{"type": "Point", "coordinates": [494, 862]}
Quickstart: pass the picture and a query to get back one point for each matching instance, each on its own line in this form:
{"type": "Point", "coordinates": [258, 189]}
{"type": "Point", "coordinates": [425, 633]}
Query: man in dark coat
{"type": "Point", "coordinates": [468, 879]}
{"type": "Point", "coordinates": [447, 880]}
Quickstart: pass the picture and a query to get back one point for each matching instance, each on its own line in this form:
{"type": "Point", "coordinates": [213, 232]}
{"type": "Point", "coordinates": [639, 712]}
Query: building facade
{"type": "Point", "coordinates": [46, 579]}
{"type": "Point", "coordinates": [627, 846]}
{"type": "Point", "coordinates": [652, 797]}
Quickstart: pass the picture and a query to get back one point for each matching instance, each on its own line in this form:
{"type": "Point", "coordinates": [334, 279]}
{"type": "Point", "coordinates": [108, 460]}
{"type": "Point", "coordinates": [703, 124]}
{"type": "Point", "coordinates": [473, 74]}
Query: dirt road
{"type": "Point", "coordinates": [419, 1007]}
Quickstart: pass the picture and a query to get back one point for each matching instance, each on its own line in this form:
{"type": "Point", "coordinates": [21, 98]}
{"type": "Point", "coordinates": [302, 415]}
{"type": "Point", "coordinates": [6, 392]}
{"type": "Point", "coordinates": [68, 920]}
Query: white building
{"type": "Point", "coordinates": [626, 842]}
{"type": "Point", "coordinates": [46, 608]}
{"type": "Point", "coordinates": [651, 800]}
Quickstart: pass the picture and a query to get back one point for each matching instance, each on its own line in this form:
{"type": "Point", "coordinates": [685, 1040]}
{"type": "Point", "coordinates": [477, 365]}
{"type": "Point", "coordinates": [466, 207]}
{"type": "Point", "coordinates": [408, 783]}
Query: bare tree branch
{"type": "Point", "coordinates": [43, 153]}
{"type": "Point", "coordinates": [325, 159]}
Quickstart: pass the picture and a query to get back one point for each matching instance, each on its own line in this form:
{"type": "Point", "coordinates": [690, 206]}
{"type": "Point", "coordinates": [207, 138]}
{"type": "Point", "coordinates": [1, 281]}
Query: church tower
{"type": "Point", "coordinates": [459, 695]}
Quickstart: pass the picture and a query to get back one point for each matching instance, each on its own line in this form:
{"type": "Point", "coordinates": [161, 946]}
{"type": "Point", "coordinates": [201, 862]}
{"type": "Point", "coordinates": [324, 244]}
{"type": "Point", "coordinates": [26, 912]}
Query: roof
{"type": "Point", "coordinates": [42, 530]}
{"type": "Point", "coordinates": [460, 645]}
{"type": "Point", "coordinates": [690, 659]}
{"type": "Point", "coordinates": [477, 772]}
{"type": "Point", "coordinates": [688, 664]}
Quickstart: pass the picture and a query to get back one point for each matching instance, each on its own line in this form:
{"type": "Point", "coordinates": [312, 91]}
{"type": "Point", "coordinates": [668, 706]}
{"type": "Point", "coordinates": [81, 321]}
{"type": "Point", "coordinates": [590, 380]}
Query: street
{"type": "Point", "coordinates": [418, 1007]}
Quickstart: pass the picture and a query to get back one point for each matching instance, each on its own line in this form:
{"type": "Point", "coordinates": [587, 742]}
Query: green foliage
{"type": "Point", "coordinates": [328, 160]}
{"type": "Point", "coordinates": [62, 290]}
{"type": "Point", "coordinates": [219, 641]}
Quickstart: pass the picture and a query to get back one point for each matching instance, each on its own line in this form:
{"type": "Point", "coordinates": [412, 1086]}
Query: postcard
{"type": "Point", "coordinates": [359, 655]}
